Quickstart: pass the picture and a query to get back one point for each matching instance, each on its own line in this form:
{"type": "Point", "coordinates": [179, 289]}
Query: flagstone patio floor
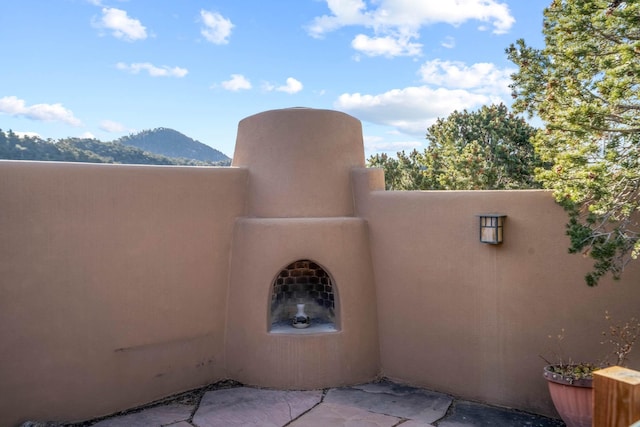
{"type": "Point", "coordinates": [378, 404]}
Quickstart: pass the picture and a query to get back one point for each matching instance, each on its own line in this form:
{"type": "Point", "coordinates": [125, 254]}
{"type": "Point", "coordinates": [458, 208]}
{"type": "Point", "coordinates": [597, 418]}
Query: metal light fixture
{"type": "Point", "coordinates": [491, 228]}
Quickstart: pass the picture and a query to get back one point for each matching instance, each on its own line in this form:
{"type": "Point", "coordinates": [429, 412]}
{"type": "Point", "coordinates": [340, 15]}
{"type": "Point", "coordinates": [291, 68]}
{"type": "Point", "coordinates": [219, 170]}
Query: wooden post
{"type": "Point", "coordinates": [616, 397]}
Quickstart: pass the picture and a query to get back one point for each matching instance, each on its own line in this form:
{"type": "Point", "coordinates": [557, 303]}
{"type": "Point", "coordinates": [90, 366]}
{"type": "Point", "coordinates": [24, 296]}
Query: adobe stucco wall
{"type": "Point", "coordinates": [262, 247]}
{"type": "Point", "coordinates": [299, 162]}
{"type": "Point", "coordinates": [471, 319]}
{"type": "Point", "coordinates": [123, 284]}
{"type": "Point", "coordinates": [300, 206]}
{"type": "Point", "coordinates": [113, 284]}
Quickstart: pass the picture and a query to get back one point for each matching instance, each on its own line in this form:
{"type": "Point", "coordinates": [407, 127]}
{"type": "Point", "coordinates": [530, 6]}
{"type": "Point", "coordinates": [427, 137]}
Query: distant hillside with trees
{"type": "Point", "coordinates": [171, 143]}
{"type": "Point", "coordinates": [14, 147]}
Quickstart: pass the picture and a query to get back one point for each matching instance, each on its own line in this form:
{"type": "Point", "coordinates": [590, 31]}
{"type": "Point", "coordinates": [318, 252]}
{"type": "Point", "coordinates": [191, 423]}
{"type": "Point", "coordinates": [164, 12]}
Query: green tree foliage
{"type": "Point", "coordinates": [488, 149]}
{"type": "Point", "coordinates": [402, 173]}
{"type": "Point", "coordinates": [585, 86]}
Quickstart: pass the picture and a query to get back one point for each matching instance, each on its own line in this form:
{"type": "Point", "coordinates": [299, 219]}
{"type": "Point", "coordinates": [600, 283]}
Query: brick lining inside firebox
{"type": "Point", "coordinates": [303, 281]}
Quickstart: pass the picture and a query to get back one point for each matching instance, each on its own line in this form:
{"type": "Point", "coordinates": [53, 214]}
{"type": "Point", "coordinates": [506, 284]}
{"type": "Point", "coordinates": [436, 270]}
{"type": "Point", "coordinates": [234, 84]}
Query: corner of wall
{"type": "Point", "coordinates": [363, 182]}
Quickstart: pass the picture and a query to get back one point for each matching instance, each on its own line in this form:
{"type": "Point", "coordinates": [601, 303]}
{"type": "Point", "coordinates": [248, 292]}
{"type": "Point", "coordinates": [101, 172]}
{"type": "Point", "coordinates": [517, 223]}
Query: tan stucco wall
{"type": "Point", "coordinates": [113, 284]}
{"type": "Point", "coordinates": [263, 247]}
{"type": "Point", "coordinates": [123, 284]}
{"type": "Point", "coordinates": [299, 162]}
{"type": "Point", "coordinates": [471, 319]}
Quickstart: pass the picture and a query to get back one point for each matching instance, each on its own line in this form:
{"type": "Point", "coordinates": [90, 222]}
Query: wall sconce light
{"type": "Point", "coordinates": [491, 228]}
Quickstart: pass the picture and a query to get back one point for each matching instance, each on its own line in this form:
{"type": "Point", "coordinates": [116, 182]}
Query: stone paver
{"type": "Point", "coordinates": [379, 404]}
{"type": "Point", "coordinates": [243, 406]}
{"type": "Point", "coordinates": [392, 399]}
{"type": "Point", "coordinates": [413, 423]}
{"type": "Point", "coordinates": [470, 414]}
{"type": "Point", "coordinates": [335, 415]}
{"type": "Point", "coordinates": [157, 416]}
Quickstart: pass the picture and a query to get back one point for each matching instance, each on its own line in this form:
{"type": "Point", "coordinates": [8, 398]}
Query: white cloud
{"type": "Point", "coordinates": [154, 71]}
{"type": "Point", "coordinates": [121, 25]}
{"type": "Point", "coordinates": [292, 86]}
{"type": "Point", "coordinates": [482, 77]}
{"type": "Point", "coordinates": [27, 134]}
{"type": "Point", "coordinates": [344, 13]}
{"type": "Point", "coordinates": [411, 14]}
{"type": "Point", "coordinates": [87, 135]}
{"type": "Point", "coordinates": [449, 86]}
{"type": "Point", "coordinates": [386, 46]}
{"type": "Point", "coordinates": [14, 106]}
{"type": "Point", "coordinates": [395, 23]}
{"type": "Point", "coordinates": [410, 110]}
{"type": "Point", "coordinates": [448, 42]}
{"type": "Point", "coordinates": [379, 144]}
{"type": "Point", "coordinates": [217, 28]}
{"type": "Point", "coordinates": [111, 126]}
{"type": "Point", "coordinates": [236, 83]}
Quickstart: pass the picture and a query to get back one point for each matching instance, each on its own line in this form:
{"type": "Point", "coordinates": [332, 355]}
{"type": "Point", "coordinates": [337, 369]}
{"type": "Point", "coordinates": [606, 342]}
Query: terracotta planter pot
{"type": "Point", "coordinates": [573, 399]}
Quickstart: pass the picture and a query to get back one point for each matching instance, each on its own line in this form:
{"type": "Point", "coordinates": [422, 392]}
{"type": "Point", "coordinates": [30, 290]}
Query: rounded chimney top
{"type": "Point", "coordinates": [299, 161]}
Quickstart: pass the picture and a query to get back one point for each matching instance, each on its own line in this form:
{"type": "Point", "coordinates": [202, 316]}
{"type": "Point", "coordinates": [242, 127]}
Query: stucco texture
{"type": "Point", "coordinates": [299, 162]}
{"type": "Point", "coordinates": [123, 284]}
{"type": "Point", "coordinates": [472, 319]}
{"type": "Point", "coordinates": [113, 284]}
{"type": "Point", "coordinates": [262, 247]}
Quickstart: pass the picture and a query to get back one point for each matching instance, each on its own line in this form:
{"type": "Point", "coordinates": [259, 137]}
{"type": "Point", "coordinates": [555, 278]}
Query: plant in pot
{"type": "Point", "coordinates": [571, 383]}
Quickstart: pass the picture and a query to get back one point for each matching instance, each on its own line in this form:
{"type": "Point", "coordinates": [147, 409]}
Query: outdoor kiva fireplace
{"type": "Point", "coordinates": [303, 286]}
{"type": "Point", "coordinates": [301, 307]}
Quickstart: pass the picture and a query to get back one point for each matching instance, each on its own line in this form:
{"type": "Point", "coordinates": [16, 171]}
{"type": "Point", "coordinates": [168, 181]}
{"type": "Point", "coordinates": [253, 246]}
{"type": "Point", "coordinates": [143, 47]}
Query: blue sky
{"type": "Point", "coordinates": [107, 68]}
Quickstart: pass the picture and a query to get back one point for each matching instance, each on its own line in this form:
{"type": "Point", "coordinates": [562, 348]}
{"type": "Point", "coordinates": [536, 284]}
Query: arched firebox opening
{"type": "Point", "coordinates": [303, 282]}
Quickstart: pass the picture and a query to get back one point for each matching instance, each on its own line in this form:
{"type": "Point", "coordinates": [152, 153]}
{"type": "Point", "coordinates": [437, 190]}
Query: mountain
{"type": "Point", "coordinates": [171, 143]}
{"type": "Point", "coordinates": [14, 147]}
